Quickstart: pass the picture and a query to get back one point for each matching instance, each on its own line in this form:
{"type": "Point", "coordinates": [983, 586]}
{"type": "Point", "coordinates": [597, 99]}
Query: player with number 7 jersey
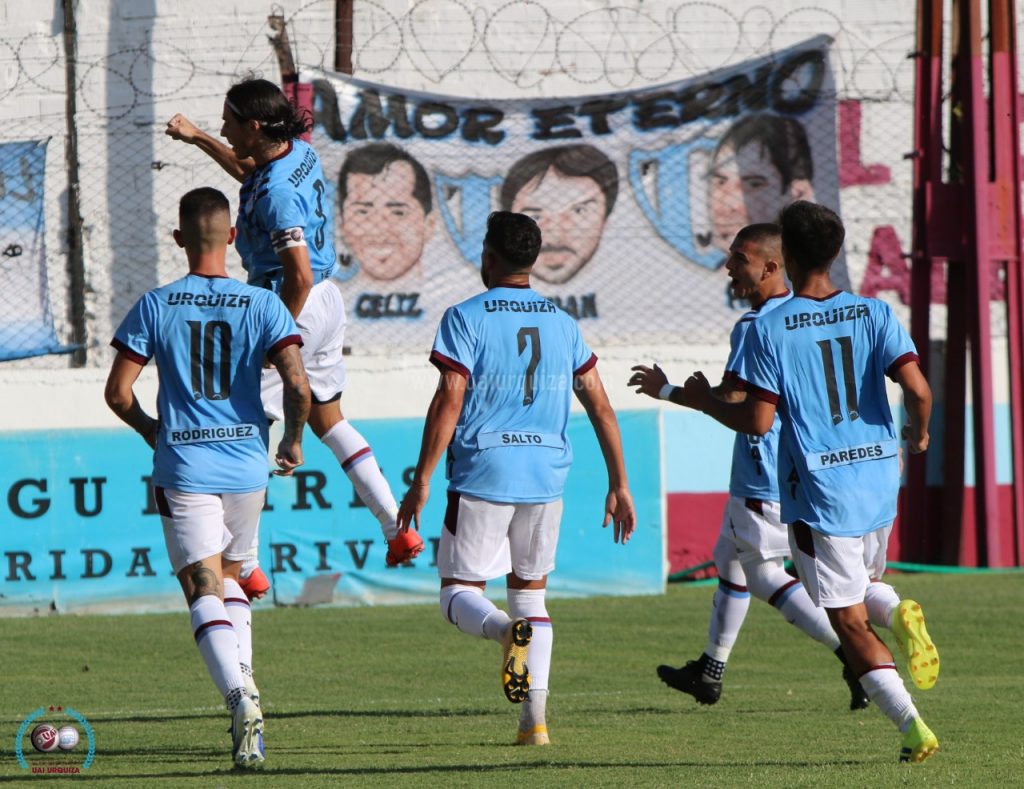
{"type": "Point", "coordinates": [823, 362]}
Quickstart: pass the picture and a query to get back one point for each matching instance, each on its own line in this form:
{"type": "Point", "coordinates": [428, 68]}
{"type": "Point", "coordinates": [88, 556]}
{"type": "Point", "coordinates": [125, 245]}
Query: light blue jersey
{"type": "Point", "coordinates": [281, 205]}
{"type": "Point", "coordinates": [520, 354]}
{"type": "Point", "coordinates": [824, 363]}
{"type": "Point", "coordinates": [209, 336]}
{"type": "Point", "coordinates": [754, 458]}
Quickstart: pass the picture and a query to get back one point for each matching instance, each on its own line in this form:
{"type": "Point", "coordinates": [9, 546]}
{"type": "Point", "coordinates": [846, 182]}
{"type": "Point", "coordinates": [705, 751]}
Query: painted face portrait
{"type": "Point", "coordinates": [762, 165]}
{"type": "Point", "coordinates": [570, 211]}
{"type": "Point", "coordinates": [383, 223]}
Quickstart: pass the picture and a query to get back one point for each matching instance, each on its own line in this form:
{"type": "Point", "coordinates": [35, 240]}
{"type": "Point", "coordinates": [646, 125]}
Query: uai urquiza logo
{"type": "Point", "coordinates": [52, 733]}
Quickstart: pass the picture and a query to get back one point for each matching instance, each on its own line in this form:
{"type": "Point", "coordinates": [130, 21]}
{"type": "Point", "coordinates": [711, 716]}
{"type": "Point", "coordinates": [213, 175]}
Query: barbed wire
{"type": "Point", "coordinates": [518, 48]}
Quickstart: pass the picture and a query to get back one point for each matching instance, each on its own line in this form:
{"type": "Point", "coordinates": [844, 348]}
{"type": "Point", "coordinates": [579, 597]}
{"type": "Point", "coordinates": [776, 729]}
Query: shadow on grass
{"type": "Point", "coordinates": [442, 769]}
{"type": "Point", "coordinates": [273, 715]}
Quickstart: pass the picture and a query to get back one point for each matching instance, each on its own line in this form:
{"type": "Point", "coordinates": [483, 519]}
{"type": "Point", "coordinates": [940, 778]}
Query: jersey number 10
{"type": "Point", "coordinates": [210, 355]}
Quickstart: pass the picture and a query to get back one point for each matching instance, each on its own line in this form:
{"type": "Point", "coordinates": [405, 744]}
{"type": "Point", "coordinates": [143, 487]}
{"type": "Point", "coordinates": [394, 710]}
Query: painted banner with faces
{"type": "Point", "coordinates": [638, 194]}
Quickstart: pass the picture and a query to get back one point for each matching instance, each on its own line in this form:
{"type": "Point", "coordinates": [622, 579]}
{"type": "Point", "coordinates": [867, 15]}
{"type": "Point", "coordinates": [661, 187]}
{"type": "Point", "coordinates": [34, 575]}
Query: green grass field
{"type": "Point", "coordinates": [394, 696]}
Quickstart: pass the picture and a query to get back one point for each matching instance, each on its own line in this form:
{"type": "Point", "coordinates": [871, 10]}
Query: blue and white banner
{"type": "Point", "coordinates": [638, 194]}
{"type": "Point", "coordinates": [80, 530]}
{"type": "Point", "coordinates": [26, 320]}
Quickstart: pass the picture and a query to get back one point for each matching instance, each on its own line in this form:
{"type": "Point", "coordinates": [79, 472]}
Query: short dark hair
{"type": "Point", "coordinates": [571, 160]}
{"type": "Point", "coordinates": [263, 101]}
{"type": "Point", "coordinates": [784, 139]}
{"type": "Point", "coordinates": [759, 232]}
{"type": "Point", "coordinates": [201, 202]}
{"type": "Point", "coordinates": [373, 159]}
{"type": "Point", "coordinates": [514, 238]}
{"type": "Point", "coordinates": [812, 235]}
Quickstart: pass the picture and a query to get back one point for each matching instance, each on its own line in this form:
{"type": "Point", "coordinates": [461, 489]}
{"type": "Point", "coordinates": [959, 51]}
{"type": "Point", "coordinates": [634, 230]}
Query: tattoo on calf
{"type": "Point", "coordinates": [204, 581]}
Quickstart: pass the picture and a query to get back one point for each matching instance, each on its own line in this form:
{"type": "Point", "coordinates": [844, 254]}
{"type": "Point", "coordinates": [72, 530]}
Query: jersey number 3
{"type": "Point", "coordinates": [210, 356]}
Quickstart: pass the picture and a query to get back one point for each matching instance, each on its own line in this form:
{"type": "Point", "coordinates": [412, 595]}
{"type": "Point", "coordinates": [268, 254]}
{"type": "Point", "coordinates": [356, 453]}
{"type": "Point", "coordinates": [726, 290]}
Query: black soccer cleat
{"type": "Point", "coordinates": [688, 679]}
{"type": "Point", "coordinates": [858, 698]}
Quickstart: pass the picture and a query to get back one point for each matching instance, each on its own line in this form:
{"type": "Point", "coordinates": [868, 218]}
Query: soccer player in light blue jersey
{"type": "Point", "coordinates": [820, 362]}
{"type": "Point", "coordinates": [753, 544]}
{"type": "Point", "coordinates": [510, 361]}
{"type": "Point", "coordinates": [285, 238]}
{"type": "Point", "coordinates": [209, 336]}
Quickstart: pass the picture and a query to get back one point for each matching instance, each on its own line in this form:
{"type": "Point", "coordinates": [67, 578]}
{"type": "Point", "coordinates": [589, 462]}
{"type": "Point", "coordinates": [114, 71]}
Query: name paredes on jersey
{"type": "Point", "coordinates": [185, 299]}
{"type": "Point", "coordinates": [508, 305]}
{"type": "Point", "coordinates": [802, 320]}
{"type": "Point", "coordinates": [204, 435]}
{"type": "Point", "coordinates": [298, 175]}
{"type": "Point", "coordinates": [816, 461]}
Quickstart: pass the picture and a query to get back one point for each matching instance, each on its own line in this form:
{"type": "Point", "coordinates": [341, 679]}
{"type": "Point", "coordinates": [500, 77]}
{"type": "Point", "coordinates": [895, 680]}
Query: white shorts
{"type": "Point", "coordinates": [754, 528]}
{"type": "Point", "coordinates": [836, 571]}
{"type": "Point", "coordinates": [200, 525]}
{"type": "Point", "coordinates": [322, 326]}
{"type": "Point", "coordinates": [482, 540]}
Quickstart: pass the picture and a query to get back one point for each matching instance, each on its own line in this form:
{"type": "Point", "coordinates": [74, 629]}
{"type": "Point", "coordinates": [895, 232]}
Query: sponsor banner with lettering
{"type": "Point", "coordinates": [639, 194]}
{"type": "Point", "coordinates": [26, 321]}
{"type": "Point", "coordinates": [81, 530]}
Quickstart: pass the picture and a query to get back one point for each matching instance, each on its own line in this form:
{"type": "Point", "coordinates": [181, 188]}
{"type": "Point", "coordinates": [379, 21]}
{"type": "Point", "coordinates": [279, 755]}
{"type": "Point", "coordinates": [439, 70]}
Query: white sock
{"type": "Point", "coordinates": [471, 612]}
{"type": "Point", "coordinates": [728, 610]}
{"type": "Point", "coordinates": [793, 602]}
{"type": "Point", "coordinates": [884, 687]}
{"type": "Point", "coordinates": [358, 462]}
{"type": "Point", "coordinates": [881, 600]}
{"type": "Point", "coordinates": [240, 614]}
{"type": "Point", "coordinates": [533, 711]}
{"type": "Point", "coordinates": [217, 643]}
{"type": "Point", "coordinates": [250, 562]}
{"type": "Point", "coordinates": [529, 603]}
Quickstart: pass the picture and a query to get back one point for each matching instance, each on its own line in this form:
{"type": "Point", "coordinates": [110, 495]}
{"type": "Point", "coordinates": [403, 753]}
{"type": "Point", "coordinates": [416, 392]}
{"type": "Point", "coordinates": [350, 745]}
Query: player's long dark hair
{"type": "Point", "coordinates": [261, 100]}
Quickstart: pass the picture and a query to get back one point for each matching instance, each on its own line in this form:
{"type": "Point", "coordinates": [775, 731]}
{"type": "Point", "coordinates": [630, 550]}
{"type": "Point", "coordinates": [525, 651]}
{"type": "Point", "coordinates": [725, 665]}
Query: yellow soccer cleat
{"type": "Point", "coordinates": [916, 645]}
{"type": "Point", "coordinates": [515, 676]}
{"type": "Point", "coordinates": [918, 743]}
{"type": "Point", "coordinates": [538, 735]}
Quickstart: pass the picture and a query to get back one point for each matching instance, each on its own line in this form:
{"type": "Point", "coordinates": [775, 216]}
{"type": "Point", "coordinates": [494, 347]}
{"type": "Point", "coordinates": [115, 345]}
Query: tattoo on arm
{"type": "Point", "coordinates": [296, 389]}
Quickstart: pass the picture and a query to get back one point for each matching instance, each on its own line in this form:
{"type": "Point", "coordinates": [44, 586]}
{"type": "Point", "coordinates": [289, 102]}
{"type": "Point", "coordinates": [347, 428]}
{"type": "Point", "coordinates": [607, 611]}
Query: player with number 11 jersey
{"type": "Point", "coordinates": [823, 362]}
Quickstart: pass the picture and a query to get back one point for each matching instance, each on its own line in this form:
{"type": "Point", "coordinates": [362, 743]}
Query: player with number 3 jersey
{"type": "Point", "coordinates": [285, 238]}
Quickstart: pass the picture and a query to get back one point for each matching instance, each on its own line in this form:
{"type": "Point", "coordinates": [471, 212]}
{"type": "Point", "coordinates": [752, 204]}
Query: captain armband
{"type": "Point", "coordinates": [290, 237]}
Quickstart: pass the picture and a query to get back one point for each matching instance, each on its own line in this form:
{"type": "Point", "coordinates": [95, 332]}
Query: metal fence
{"type": "Point", "coordinates": [126, 81]}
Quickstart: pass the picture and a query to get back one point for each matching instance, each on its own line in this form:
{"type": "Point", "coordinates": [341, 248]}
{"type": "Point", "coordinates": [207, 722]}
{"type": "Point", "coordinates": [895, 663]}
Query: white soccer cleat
{"type": "Point", "coordinates": [247, 734]}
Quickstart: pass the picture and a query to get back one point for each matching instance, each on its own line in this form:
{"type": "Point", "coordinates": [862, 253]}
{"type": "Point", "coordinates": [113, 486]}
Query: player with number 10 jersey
{"type": "Point", "coordinates": [209, 336]}
{"type": "Point", "coordinates": [521, 354]}
{"type": "Point", "coordinates": [823, 362]}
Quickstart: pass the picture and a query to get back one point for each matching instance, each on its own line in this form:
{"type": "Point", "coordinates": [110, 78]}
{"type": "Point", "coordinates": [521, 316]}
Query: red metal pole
{"type": "Point", "coordinates": [1006, 166]}
{"type": "Point", "coordinates": [969, 64]}
{"type": "Point", "coordinates": [916, 512]}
